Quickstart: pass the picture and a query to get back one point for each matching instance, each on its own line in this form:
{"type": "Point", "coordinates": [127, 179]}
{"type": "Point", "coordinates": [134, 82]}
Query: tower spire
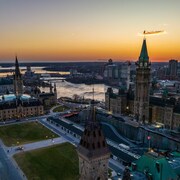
{"type": "Point", "coordinates": [17, 70]}
{"type": "Point", "coordinates": [144, 53]}
{"type": "Point", "coordinates": [17, 80]}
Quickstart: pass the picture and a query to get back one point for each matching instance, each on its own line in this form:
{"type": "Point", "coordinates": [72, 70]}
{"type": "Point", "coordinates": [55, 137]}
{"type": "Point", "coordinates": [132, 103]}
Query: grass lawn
{"type": "Point", "coordinates": [55, 162]}
{"type": "Point", "coordinates": [22, 133]}
{"type": "Point", "coordinates": [60, 108]}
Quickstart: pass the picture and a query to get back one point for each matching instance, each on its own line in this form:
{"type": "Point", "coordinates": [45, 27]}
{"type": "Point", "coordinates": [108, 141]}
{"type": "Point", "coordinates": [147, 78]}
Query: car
{"type": "Point", "coordinates": [119, 174]}
{"type": "Point", "coordinates": [20, 148]}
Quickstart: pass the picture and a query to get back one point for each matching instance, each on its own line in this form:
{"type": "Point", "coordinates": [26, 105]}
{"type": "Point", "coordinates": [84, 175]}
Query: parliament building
{"type": "Point", "coordinates": [19, 105]}
{"type": "Point", "coordinates": [139, 103]}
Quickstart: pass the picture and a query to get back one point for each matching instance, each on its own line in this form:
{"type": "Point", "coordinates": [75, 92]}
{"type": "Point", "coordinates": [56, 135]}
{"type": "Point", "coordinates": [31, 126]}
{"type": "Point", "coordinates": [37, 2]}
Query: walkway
{"type": "Point", "coordinates": [35, 145]}
{"type": "Point", "coordinates": [118, 135]}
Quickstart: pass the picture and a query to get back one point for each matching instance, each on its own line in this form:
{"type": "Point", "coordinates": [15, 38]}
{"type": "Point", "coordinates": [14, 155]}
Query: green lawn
{"type": "Point", "coordinates": [60, 108]}
{"type": "Point", "coordinates": [24, 133]}
{"type": "Point", "coordinates": [55, 162]}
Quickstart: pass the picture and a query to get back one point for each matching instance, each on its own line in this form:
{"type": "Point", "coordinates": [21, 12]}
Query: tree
{"type": "Point", "coordinates": [126, 174]}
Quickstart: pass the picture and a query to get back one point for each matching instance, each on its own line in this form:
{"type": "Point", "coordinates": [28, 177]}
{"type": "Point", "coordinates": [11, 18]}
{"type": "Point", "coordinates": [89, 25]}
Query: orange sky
{"type": "Point", "coordinates": [88, 30]}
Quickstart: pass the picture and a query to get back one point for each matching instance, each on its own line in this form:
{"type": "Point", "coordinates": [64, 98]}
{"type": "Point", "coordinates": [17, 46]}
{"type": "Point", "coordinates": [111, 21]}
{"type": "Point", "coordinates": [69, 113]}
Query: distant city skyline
{"type": "Point", "coordinates": [68, 30]}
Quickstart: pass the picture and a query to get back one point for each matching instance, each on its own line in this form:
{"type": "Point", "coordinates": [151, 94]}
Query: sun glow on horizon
{"type": "Point", "coordinates": [83, 30]}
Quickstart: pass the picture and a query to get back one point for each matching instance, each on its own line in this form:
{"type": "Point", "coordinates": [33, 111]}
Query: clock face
{"type": "Point", "coordinates": [141, 64]}
{"type": "Point", "coordinates": [145, 64]}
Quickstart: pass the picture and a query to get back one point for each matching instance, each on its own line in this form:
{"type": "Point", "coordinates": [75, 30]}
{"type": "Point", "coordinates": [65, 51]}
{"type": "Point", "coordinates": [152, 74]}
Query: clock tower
{"type": "Point", "coordinates": [142, 85]}
{"type": "Point", "coordinates": [93, 151]}
{"type": "Point", "coordinates": [18, 82]}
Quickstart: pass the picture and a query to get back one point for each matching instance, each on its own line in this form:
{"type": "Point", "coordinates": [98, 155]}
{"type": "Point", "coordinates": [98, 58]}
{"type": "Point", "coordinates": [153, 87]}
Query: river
{"type": "Point", "coordinates": [68, 89]}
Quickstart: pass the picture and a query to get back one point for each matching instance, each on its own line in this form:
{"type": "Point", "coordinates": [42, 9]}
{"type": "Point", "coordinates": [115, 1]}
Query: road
{"type": "Point", "coordinates": [8, 169]}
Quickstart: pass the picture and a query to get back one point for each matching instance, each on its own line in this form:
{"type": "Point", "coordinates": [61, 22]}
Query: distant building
{"type": "Point", "coordinates": [156, 166]}
{"type": "Point", "coordinates": [6, 85]}
{"type": "Point", "coordinates": [19, 105]}
{"type": "Point", "coordinates": [93, 151]}
{"type": "Point", "coordinates": [48, 99]}
{"type": "Point", "coordinates": [73, 72]}
{"type": "Point", "coordinates": [115, 74]}
{"type": "Point", "coordinates": [30, 78]}
{"type": "Point", "coordinates": [173, 68]}
{"type": "Point", "coordinates": [111, 71]}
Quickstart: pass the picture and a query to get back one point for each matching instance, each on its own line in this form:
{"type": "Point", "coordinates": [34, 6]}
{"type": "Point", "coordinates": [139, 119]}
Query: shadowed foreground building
{"type": "Point", "coordinates": [155, 166]}
{"type": "Point", "coordinates": [93, 151]}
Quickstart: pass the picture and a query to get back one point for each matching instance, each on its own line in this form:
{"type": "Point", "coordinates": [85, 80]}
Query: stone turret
{"type": "Point", "coordinates": [93, 151]}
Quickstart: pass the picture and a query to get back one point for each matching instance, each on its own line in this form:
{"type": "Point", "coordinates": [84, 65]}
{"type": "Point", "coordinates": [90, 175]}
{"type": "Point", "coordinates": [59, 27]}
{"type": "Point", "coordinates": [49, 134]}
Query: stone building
{"type": "Point", "coordinates": [48, 99]}
{"type": "Point", "coordinates": [116, 103]}
{"type": "Point", "coordinates": [93, 151]}
{"type": "Point", "coordinates": [19, 105]}
{"type": "Point", "coordinates": [165, 112]}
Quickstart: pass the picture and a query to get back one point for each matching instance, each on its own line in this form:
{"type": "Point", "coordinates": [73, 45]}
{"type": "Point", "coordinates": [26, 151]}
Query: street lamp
{"type": "Point", "coordinates": [149, 139]}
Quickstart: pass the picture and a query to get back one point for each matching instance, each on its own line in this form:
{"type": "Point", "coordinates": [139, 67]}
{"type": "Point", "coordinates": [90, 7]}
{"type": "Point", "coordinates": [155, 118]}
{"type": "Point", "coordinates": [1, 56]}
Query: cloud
{"type": "Point", "coordinates": [148, 33]}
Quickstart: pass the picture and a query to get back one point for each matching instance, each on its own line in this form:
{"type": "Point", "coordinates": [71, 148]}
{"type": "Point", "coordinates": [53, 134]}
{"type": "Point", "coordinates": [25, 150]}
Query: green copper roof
{"type": "Point", "coordinates": [157, 166]}
{"type": "Point", "coordinates": [176, 154]}
{"type": "Point", "coordinates": [144, 53]}
{"type": "Point", "coordinates": [11, 97]}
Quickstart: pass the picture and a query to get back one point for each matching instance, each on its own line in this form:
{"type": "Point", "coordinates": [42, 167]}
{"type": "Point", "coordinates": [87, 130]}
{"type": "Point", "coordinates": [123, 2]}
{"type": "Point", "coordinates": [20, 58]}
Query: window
{"type": "Point", "coordinates": [93, 146]}
{"type": "Point", "coordinates": [94, 133]}
{"type": "Point", "coordinates": [81, 142]}
{"type": "Point", "coordinates": [99, 145]}
{"type": "Point", "coordinates": [103, 143]}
